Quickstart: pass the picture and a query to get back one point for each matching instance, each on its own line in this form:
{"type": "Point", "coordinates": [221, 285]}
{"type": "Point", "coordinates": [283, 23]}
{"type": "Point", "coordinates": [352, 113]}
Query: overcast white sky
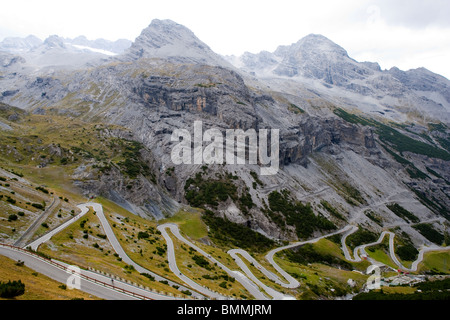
{"type": "Point", "coordinates": [403, 33]}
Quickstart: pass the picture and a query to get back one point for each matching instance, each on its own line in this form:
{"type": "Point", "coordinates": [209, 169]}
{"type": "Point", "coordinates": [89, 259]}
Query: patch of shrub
{"type": "Point", "coordinates": [42, 189]}
{"type": "Point", "coordinates": [83, 223]}
{"type": "Point", "coordinates": [209, 192]}
{"type": "Point", "coordinates": [430, 233]}
{"type": "Point", "coordinates": [360, 237]}
{"type": "Point", "coordinates": [202, 262]}
{"type": "Point", "coordinates": [143, 235]}
{"type": "Point", "coordinates": [11, 289]}
{"type": "Point", "coordinates": [148, 276]}
{"type": "Point", "coordinates": [297, 214]}
{"type": "Point", "coordinates": [38, 206]}
{"type": "Point", "coordinates": [230, 233]}
{"type": "Point", "coordinates": [402, 212]}
{"type": "Point", "coordinates": [186, 292]}
{"type": "Point", "coordinates": [407, 252]}
{"type": "Point", "coordinates": [331, 210]}
{"type": "Point", "coordinates": [10, 200]}
{"type": "Point", "coordinates": [256, 178]}
{"type": "Point", "coordinates": [307, 254]}
{"type": "Point", "coordinates": [160, 251]}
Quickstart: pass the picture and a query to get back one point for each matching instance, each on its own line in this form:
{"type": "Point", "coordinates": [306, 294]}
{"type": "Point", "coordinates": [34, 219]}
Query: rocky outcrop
{"type": "Point", "coordinates": [320, 135]}
{"type": "Point", "coordinates": [8, 60]}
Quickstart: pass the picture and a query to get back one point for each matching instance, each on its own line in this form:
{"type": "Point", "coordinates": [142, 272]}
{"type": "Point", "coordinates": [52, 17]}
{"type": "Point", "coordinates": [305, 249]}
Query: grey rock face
{"type": "Point", "coordinates": [218, 94]}
{"type": "Point", "coordinates": [54, 41]}
{"type": "Point", "coordinates": [319, 58]}
{"type": "Point", "coordinates": [8, 60]}
{"type": "Point", "coordinates": [422, 80]}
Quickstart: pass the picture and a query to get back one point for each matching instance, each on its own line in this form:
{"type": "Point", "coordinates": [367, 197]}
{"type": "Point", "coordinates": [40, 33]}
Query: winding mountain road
{"type": "Point", "coordinates": [174, 267]}
{"type": "Point", "coordinates": [55, 270]}
{"type": "Point", "coordinates": [247, 283]}
{"type": "Point", "coordinates": [292, 283]}
{"type": "Point", "coordinates": [121, 252]}
{"type": "Point", "coordinates": [99, 285]}
{"type": "Point", "coordinates": [114, 242]}
{"type": "Point", "coordinates": [362, 250]}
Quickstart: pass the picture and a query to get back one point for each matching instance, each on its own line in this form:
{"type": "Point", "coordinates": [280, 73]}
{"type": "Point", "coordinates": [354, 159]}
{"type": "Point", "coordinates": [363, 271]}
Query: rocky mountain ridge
{"type": "Point", "coordinates": [61, 53]}
{"type": "Point", "coordinates": [324, 66]}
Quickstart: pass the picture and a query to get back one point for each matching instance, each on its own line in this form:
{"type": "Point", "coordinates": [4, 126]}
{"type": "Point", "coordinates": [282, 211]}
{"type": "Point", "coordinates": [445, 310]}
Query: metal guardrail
{"type": "Point", "coordinates": [85, 277]}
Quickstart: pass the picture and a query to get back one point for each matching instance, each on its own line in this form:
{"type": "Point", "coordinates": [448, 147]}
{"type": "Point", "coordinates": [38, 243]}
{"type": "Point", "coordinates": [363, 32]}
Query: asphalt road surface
{"type": "Point", "coordinates": [107, 288]}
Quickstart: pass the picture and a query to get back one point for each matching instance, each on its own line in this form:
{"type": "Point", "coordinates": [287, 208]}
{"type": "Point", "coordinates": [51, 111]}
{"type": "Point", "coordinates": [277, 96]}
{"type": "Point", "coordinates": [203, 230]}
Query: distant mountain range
{"type": "Point", "coordinates": [62, 52]}
{"type": "Point", "coordinates": [21, 45]}
{"type": "Point", "coordinates": [324, 65]}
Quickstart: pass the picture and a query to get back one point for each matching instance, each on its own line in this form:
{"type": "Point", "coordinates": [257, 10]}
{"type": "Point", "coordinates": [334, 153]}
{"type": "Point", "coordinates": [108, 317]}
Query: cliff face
{"type": "Point", "coordinates": [221, 99]}
{"type": "Point", "coordinates": [198, 89]}
{"type": "Point", "coordinates": [323, 135]}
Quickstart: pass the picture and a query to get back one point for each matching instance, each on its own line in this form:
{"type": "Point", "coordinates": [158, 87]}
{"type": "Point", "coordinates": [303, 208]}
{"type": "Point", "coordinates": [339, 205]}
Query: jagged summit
{"type": "Point", "coordinates": [161, 33]}
{"type": "Point", "coordinates": [170, 40]}
{"type": "Point", "coordinates": [54, 41]}
{"type": "Point", "coordinates": [316, 56]}
{"type": "Point", "coordinates": [313, 44]}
